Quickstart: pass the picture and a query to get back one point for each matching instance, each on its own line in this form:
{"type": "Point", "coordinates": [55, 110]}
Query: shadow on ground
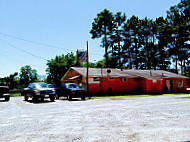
{"type": "Point", "coordinates": [39, 101]}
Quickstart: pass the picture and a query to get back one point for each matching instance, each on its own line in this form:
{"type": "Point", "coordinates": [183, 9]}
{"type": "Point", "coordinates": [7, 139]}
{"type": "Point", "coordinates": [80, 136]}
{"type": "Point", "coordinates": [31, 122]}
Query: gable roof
{"type": "Point", "coordinates": [148, 74]}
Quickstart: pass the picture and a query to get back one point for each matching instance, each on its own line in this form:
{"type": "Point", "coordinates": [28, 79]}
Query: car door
{"type": "Point", "coordinates": [63, 90]}
{"type": "Point", "coordinates": [30, 89]}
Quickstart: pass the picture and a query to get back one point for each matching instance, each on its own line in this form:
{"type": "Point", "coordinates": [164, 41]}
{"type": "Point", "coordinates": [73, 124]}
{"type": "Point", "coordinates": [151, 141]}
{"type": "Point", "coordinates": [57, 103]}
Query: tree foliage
{"type": "Point", "coordinates": [102, 27]}
{"type": "Point", "coordinates": [11, 80]}
{"type": "Point", "coordinates": [28, 75]}
{"type": "Point", "coordinates": [58, 66]}
{"type": "Point", "coordinates": [162, 43]}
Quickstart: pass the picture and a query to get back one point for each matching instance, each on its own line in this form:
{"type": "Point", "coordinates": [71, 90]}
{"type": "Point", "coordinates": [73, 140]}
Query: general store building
{"type": "Point", "coordinates": [111, 81]}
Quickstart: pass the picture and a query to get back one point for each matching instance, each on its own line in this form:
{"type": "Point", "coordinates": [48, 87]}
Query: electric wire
{"type": "Point", "coordinates": [26, 52]}
{"type": "Point", "coordinates": [39, 43]}
{"type": "Point", "coordinates": [16, 60]}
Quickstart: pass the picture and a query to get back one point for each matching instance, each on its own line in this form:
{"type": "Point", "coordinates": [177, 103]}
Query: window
{"type": "Point", "coordinates": [73, 86]}
{"type": "Point", "coordinates": [111, 78]}
{"type": "Point", "coordinates": [136, 79]}
{"type": "Point", "coordinates": [179, 84]}
{"type": "Point", "coordinates": [96, 79]}
{"type": "Point", "coordinates": [30, 85]}
{"type": "Point", "coordinates": [123, 79]}
{"type": "Point", "coordinates": [154, 80]}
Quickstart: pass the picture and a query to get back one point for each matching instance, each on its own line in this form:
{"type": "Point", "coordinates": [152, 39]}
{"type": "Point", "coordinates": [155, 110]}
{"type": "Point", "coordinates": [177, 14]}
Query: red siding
{"type": "Point", "coordinates": [154, 87]}
{"type": "Point", "coordinates": [142, 85]}
{"type": "Point", "coordinates": [131, 86]}
{"type": "Point", "coordinates": [176, 90]}
{"type": "Point", "coordinates": [116, 85]}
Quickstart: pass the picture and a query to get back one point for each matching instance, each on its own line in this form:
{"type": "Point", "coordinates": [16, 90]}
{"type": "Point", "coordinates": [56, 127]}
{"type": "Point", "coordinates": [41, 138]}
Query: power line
{"type": "Point", "coordinates": [34, 42]}
{"type": "Point", "coordinates": [13, 59]}
{"type": "Point", "coordinates": [39, 43]}
{"type": "Point", "coordinates": [24, 51]}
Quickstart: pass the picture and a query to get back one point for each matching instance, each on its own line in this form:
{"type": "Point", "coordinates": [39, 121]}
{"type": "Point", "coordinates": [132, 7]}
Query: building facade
{"type": "Point", "coordinates": [114, 81]}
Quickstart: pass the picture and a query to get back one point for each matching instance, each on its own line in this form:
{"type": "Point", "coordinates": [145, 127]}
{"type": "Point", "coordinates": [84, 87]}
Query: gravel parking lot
{"type": "Point", "coordinates": [142, 119]}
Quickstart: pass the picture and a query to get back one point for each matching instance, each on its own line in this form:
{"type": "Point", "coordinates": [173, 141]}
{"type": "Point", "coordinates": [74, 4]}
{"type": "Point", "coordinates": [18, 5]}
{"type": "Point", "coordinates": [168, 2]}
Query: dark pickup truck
{"type": "Point", "coordinates": [4, 93]}
{"type": "Point", "coordinates": [38, 90]}
{"type": "Point", "coordinates": [70, 90]}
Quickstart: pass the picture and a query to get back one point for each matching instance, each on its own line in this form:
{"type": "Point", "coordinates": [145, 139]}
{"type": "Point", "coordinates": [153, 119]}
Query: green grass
{"type": "Point", "coordinates": [15, 94]}
{"type": "Point", "coordinates": [184, 97]}
{"type": "Point", "coordinates": [133, 96]}
{"type": "Point", "coordinates": [123, 96]}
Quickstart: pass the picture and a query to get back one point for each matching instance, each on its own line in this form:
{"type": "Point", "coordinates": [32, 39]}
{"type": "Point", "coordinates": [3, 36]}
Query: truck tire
{"type": "Point", "coordinates": [34, 99]}
{"type": "Point", "coordinates": [83, 97]}
{"type": "Point", "coordinates": [7, 98]}
{"type": "Point", "coordinates": [52, 98]}
{"type": "Point", "coordinates": [25, 98]}
{"type": "Point", "coordinates": [57, 96]}
{"type": "Point", "coordinates": [42, 99]}
{"type": "Point", "coordinates": [70, 97]}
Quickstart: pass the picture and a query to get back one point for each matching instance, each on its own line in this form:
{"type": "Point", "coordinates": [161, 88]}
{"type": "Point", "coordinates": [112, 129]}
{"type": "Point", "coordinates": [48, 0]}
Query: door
{"type": "Point", "coordinates": [169, 87]}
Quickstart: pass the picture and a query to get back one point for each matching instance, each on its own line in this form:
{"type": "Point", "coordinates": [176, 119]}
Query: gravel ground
{"type": "Point", "coordinates": [142, 119]}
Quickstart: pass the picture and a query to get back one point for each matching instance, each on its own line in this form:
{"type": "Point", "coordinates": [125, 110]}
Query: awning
{"type": "Point", "coordinates": [74, 77]}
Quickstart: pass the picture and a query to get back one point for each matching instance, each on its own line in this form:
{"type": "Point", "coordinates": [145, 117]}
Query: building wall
{"type": "Point", "coordinates": [153, 86]}
{"type": "Point", "coordinates": [176, 85]}
{"type": "Point", "coordinates": [128, 85]}
{"type": "Point", "coordinates": [142, 85]}
{"type": "Point", "coordinates": [116, 84]}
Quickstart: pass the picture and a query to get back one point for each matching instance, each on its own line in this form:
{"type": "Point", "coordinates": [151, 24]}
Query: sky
{"type": "Point", "coordinates": [34, 31]}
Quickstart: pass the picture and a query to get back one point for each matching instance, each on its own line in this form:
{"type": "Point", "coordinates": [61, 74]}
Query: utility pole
{"type": "Point", "coordinates": [87, 87]}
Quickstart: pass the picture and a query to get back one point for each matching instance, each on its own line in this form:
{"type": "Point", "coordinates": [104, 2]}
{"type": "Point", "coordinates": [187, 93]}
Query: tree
{"type": "Point", "coordinates": [117, 39]}
{"type": "Point", "coordinates": [11, 80]}
{"type": "Point", "coordinates": [28, 75]}
{"type": "Point", "coordinates": [102, 27]}
{"type": "Point", "coordinates": [132, 41]}
{"type": "Point", "coordinates": [164, 32]}
{"type": "Point", "coordinates": [58, 66]}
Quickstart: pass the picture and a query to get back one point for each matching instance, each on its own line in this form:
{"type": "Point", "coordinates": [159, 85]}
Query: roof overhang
{"type": "Point", "coordinates": [74, 77]}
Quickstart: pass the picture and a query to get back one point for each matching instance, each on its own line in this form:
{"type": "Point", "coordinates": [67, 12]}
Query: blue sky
{"type": "Point", "coordinates": [63, 25]}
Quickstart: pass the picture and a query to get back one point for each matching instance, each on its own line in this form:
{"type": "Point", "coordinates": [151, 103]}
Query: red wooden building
{"type": "Point", "coordinates": [127, 81]}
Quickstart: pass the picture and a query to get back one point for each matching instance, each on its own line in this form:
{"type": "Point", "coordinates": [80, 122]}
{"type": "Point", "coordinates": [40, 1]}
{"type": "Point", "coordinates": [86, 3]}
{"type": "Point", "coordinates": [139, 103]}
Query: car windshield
{"type": "Point", "coordinates": [73, 86]}
{"type": "Point", "coordinates": [50, 86]}
{"type": "Point", "coordinates": [41, 85]}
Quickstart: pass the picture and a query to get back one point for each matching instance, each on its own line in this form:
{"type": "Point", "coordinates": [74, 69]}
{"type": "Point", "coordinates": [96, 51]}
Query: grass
{"type": "Point", "coordinates": [15, 94]}
{"type": "Point", "coordinates": [121, 96]}
{"type": "Point", "coordinates": [134, 96]}
{"type": "Point", "coordinates": [184, 97]}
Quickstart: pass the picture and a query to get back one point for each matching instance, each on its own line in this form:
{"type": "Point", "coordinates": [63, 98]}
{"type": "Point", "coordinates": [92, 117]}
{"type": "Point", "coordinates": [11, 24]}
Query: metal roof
{"type": "Point", "coordinates": [148, 74]}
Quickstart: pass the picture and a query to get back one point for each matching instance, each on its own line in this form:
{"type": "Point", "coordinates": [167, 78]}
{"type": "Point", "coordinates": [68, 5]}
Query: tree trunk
{"type": "Point", "coordinates": [176, 65]}
{"type": "Point", "coordinates": [136, 54]}
{"type": "Point", "coordinates": [106, 46]}
{"type": "Point", "coordinates": [184, 68]}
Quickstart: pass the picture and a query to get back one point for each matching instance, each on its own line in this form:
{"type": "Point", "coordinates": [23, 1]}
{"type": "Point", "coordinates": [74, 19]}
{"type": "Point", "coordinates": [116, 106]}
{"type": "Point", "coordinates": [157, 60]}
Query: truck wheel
{"type": "Point", "coordinates": [70, 97]}
{"type": "Point", "coordinates": [57, 97]}
{"type": "Point", "coordinates": [42, 99]}
{"type": "Point", "coordinates": [52, 99]}
{"type": "Point", "coordinates": [83, 97]}
{"type": "Point", "coordinates": [7, 98]}
{"type": "Point", "coordinates": [34, 99]}
{"type": "Point", "coordinates": [26, 98]}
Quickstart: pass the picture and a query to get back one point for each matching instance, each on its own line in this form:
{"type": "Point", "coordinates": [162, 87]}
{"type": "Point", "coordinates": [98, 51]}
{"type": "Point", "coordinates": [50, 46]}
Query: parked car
{"type": "Point", "coordinates": [39, 90]}
{"type": "Point", "coordinates": [50, 86]}
{"type": "Point", "coordinates": [4, 92]}
{"type": "Point", "coordinates": [70, 90]}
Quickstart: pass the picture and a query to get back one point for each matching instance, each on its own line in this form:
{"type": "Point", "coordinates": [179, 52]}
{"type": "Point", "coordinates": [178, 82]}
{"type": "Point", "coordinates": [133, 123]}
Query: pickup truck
{"type": "Point", "coordinates": [4, 93]}
{"type": "Point", "coordinates": [70, 90]}
{"type": "Point", "coordinates": [39, 90]}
